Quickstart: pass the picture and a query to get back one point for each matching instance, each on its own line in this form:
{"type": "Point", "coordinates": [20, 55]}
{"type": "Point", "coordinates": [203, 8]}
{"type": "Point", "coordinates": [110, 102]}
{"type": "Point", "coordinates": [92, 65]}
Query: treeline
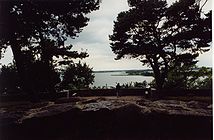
{"type": "Point", "coordinates": [161, 36]}
{"type": "Point", "coordinates": [167, 38]}
{"type": "Point", "coordinates": [140, 72]}
{"type": "Point", "coordinates": [37, 33]}
{"type": "Point", "coordinates": [73, 77]}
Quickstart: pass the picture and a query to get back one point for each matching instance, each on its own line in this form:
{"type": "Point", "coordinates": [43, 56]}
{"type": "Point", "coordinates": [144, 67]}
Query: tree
{"type": "Point", "coordinates": [37, 31]}
{"type": "Point", "coordinates": [161, 36]}
{"type": "Point", "coordinates": [200, 79]}
{"type": "Point", "coordinates": [189, 77]}
{"type": "Point", "coordinates": [9, 79]}
{"type": "Point", "coordinates": [77, 76]}
{"type": "Point", "coordinates": [40, 81]}
{"type": "Point", "coordinates": [178, 77]}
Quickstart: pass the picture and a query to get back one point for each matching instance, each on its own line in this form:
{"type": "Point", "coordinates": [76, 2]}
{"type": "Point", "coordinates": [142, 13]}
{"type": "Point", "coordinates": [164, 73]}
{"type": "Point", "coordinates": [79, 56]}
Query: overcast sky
{"type": "Point", "coordinates": [94, 39]}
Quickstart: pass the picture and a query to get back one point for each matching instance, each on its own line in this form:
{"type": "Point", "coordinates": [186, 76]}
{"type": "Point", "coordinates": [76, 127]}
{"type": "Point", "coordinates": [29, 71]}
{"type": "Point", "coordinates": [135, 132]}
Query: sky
{"type": "Point", "coordinates": [95, 39]}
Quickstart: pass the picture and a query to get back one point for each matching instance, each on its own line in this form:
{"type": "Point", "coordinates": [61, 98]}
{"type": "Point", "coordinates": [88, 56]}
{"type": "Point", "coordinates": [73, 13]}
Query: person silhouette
{"type": "Point", "coordinates": [117, 89]}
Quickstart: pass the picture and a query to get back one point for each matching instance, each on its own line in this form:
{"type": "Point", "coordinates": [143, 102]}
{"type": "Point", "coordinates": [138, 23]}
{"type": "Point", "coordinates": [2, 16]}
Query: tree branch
{"type": "Point", "coordinates": [202, 6]}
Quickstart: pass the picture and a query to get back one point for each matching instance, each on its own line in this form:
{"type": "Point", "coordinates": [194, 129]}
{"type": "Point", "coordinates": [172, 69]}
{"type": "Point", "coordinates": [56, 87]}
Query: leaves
{"type": "Point", "coordinates": [9, 79]}
{"type": "Point", "coordinates": [44, 20]}
{"type": "Point", "coordinates": [159, 35]}
{"type": "Point", "coordinates": [77, 76]}
{"type": "Point", "coordinates": [188, 76]}
{"type": "Point", "coordinates": [37, 31]}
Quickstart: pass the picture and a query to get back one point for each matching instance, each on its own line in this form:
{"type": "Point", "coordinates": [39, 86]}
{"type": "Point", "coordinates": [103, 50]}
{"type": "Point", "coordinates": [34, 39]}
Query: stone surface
{"type": "Point", "coordinates": [169, 107]}
{"type": "Point", "coordinates": [107, 118]}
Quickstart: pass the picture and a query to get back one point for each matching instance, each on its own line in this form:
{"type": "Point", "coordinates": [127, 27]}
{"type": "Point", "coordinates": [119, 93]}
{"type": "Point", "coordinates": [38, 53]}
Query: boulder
{"type": "Point", "coordinates": [108, 118]}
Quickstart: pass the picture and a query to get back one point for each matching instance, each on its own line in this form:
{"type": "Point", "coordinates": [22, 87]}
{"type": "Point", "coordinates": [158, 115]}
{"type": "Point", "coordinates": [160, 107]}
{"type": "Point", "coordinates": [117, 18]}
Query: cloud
{"type": "Point", "coordinates": [102, 58]}
{"type": "Point", "coordinates": [97, 31]}
{"type": "Point", "coordinates": [8, 57]}
{"type": "Point", "coordinates": [100, 62]}
{"type": "Point", "coordinates": [95, 39]}
{"type": "Point", "coordinates": [206, 58]}
{"type": "Point", "coordinates": [110, 8]}
{"type": "Point", "coordinates": [100, 25]}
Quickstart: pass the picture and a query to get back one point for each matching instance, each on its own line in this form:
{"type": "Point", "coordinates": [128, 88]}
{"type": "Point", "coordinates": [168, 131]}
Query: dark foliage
{"type": "Point", "coordinates": [77, 76]}
{"type": "Point", "coordinates": [37, 30]}
{"type": "Point", "coordinates": [187, 77]}
{"type": "Point", "coordinates": [161, 36]}
{"type": "Point", "coordinates": [9, 79]}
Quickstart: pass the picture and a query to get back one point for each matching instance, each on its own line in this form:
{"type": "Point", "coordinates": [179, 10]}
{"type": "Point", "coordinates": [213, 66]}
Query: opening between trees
{"type": "Point", "coordinates": [162, 37]}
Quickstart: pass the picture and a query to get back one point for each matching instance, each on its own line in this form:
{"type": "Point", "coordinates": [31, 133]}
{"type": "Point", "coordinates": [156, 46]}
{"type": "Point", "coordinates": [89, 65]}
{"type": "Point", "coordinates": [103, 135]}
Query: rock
{"type": "Point", "coordinates": [168, 107]}
{"type": "Point", "coordinates": [108, 118]}
{"type": "Point", "coordinates": [210, 106]}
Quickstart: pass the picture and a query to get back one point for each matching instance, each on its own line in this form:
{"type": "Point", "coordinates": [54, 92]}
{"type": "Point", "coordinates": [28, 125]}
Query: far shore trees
{"type": "Point", "coordinates": [162, 36]}
{"type": "Point", "coordinates": [37, 32]}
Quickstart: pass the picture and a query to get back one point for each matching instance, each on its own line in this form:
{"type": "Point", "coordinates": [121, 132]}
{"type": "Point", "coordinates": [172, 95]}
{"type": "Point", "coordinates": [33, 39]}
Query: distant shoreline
{"type": "Point", "coordinates": [145, 72]}
{"type": "Point", "coordinates": [133, 70]}
{"type": "Point", "coordinates": [128, 75]}
{"type": "Point", "coordinates": [137, 70]}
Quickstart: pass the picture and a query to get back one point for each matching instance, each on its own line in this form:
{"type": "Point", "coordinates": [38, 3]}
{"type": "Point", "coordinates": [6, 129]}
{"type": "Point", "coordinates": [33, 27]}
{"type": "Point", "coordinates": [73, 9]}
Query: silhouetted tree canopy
{"type": "Point", "coordinates": [77, 76]}
{"type": "Point", "coordinates": [189, 77]}
{"type": "Point", "coordinates": [37, 32]}
{"type": "Point", "coordinates": [162, 36]}
{"type": "Point", "coordinates": [9, 79]}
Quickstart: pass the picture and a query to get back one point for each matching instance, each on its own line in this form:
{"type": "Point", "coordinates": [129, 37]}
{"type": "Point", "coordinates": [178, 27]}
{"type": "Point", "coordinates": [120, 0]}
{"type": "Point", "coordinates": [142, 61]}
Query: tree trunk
{"type": "Point", "coordinates": [26, 83]}
{"type": "Point", "coordinates": [157, 73]}
{"type": "Point", "coordinates": [159, 80]}
{"type": "Point", "coordinates": [46, 58]}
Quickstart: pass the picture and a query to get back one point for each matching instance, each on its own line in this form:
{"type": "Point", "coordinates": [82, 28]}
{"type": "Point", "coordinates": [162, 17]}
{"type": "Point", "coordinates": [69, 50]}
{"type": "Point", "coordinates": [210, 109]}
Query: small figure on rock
{"type": "Point", "coordinates": [117, 89]}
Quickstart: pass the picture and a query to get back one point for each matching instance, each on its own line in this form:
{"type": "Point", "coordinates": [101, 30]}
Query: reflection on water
{"type": "Point", "coordinates": [111, 78]}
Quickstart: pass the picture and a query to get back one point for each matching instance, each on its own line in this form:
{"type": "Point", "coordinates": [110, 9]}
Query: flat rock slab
{"type": "Point", "coordinates": [19, 113]}
{"type": "Point", "coordinates": [106, 118]}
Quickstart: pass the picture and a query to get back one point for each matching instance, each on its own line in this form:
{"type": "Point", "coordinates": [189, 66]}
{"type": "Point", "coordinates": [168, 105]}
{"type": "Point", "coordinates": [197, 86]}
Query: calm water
{"type": "Point", "coordinates": [111, 78]}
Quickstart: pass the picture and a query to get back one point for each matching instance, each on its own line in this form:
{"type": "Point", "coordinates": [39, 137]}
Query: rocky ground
{"type": "Point", "coordinates": [107, 118]}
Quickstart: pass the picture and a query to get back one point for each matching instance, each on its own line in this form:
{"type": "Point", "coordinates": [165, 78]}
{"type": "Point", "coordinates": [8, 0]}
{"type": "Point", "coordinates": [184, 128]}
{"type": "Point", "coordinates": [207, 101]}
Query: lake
{"type": "Point", "coordinates": [111, 78]}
